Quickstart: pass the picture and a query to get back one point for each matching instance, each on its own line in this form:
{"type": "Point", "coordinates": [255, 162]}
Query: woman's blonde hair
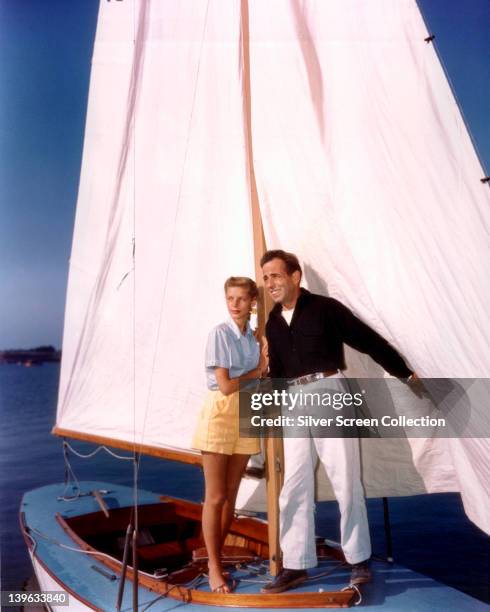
{"type": "Point", "coordinates": [245, 282]}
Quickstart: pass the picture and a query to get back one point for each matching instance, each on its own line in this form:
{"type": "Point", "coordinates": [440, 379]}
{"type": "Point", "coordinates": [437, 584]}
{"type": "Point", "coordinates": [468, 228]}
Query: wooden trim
{"type": "Point", "coordinates": [184, 508]}
{"type": "Point", "coordinates": [330, 599]}
{"type": "Point", "coordinates": [144, 449]}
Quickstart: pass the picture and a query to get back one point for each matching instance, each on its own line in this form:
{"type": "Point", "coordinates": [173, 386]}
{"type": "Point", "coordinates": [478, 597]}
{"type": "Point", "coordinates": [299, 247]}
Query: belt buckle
{"type": "Point", "coordinates": [307, 378]}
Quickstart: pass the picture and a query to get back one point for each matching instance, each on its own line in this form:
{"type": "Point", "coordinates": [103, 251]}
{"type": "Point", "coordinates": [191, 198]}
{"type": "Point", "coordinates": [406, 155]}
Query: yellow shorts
{"type": "Point", "coordinates": [218, 427]}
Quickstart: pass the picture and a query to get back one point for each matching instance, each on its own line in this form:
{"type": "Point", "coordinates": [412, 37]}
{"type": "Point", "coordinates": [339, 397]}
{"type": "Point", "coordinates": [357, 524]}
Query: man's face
{"type": "Point", "coordinates": [282, 287]}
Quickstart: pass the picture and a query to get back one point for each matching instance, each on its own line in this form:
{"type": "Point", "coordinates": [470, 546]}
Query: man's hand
{"type": "Point", "coordinates": [416, 386]}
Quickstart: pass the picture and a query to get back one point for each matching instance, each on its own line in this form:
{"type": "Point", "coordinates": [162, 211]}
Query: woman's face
{"type": "Point", "coordinates": [239, 304]}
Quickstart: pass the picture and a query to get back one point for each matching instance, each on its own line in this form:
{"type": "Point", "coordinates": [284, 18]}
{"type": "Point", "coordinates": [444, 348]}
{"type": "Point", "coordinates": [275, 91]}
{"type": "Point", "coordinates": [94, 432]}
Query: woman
{"type": "Point", "coordinates": [232, 355]}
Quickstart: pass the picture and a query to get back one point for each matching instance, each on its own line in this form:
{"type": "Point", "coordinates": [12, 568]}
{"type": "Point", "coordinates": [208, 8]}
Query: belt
{"type": "Point", "coordinates": [307, 378]}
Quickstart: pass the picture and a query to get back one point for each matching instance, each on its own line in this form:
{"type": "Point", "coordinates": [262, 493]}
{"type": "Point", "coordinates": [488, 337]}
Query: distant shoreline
{"type": "Point", "coordinates": [30, 357]}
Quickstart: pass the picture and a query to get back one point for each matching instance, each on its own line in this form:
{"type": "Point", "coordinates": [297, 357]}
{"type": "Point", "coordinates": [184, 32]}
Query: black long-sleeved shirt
{"type": "Point", "coordinates": [313, 342]}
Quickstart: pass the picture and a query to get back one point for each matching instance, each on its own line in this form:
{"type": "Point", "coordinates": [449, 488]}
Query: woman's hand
{"type": "Point", "coordinates": [229, 385]}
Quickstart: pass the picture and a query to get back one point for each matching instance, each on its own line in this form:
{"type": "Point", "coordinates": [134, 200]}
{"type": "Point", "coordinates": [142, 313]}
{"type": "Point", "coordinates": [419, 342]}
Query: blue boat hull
{"type": "Point", "coordinates": [58, 560]}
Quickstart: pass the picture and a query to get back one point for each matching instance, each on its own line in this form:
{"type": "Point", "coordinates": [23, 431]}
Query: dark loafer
{"type": "Point", "coordinates": [255, 472]}
{"type": "Point", "coordinates": [286, 579]}
{"type": "Point", "coordinates": [360, 573]}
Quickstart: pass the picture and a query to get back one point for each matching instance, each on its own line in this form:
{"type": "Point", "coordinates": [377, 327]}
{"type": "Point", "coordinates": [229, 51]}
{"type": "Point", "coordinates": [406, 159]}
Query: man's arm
{"type": "Point", "coordinates": [361, 337]}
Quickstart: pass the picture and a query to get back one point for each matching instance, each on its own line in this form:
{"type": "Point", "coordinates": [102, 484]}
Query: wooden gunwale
{"type": "Point", "coordinates": [327, 599]}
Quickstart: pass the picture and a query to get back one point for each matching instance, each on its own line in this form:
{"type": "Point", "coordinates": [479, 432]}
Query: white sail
{"type": "Point", "coordinates": [164, 170]}
{"type": "Point", "coordinates": [360, 143]}
{"type": "Point", "coordinates": [363, 167]}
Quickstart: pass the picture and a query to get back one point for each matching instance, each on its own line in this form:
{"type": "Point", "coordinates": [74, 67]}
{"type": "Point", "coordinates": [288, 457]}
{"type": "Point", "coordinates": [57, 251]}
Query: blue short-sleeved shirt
{"type": "Point", "coordinates": [228, 348]}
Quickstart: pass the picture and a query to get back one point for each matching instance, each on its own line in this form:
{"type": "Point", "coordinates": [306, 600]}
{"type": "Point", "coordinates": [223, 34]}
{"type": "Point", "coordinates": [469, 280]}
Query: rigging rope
{"type": "Point", "coordinates": [355, 588]}
{"type": "Point", "coordinates": [70, 477]}
{"type": "Point", "coordinates": [99, 448]}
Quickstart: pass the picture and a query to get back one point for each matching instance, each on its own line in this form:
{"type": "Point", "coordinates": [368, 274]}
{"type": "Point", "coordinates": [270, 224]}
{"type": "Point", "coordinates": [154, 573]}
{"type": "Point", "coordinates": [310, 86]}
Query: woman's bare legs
{"type": "Point", "coordinates": [236, 468]}
{"type": "Point", "coordinates": [222, 474]}
{"type": "Point", "coordinates": [215, 468]}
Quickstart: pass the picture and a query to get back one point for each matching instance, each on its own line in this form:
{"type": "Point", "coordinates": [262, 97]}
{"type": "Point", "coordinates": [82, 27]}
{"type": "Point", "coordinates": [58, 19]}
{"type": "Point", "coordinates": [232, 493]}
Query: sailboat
{"type": "Point", "coordinates": [215, 130]}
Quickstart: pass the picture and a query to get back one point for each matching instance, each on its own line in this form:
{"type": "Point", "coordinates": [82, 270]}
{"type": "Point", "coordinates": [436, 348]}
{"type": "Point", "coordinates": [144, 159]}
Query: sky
{"type": "Point", "coordinates": [45, 51]}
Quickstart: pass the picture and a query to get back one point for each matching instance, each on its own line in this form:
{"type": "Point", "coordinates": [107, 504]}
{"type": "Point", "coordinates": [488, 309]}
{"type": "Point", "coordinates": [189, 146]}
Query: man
{"type": "Point", "coordinates": [305, 334]}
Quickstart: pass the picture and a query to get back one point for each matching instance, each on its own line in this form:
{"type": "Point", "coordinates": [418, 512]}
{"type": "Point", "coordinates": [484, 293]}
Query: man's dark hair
{"type": "Point", "coordinates": [290, 260]}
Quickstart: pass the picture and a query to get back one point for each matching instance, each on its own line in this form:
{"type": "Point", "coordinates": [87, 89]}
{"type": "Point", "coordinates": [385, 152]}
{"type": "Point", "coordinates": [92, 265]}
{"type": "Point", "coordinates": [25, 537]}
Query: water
{"type": "Point", "coordinates": [431, 533]}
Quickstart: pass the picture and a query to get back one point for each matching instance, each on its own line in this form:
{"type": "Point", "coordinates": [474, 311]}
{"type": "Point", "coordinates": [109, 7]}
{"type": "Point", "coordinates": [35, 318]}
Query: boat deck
{"type": "Point", "coordinates": [393, 588]}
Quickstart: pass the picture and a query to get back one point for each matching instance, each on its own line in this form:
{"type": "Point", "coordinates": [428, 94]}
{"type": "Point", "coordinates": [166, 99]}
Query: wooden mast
{"type": "Point", "coordinates": [273, 446]}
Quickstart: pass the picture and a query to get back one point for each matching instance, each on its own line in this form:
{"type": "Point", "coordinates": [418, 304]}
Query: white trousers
{"type": "Point", "coordinates": [340, 458]}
